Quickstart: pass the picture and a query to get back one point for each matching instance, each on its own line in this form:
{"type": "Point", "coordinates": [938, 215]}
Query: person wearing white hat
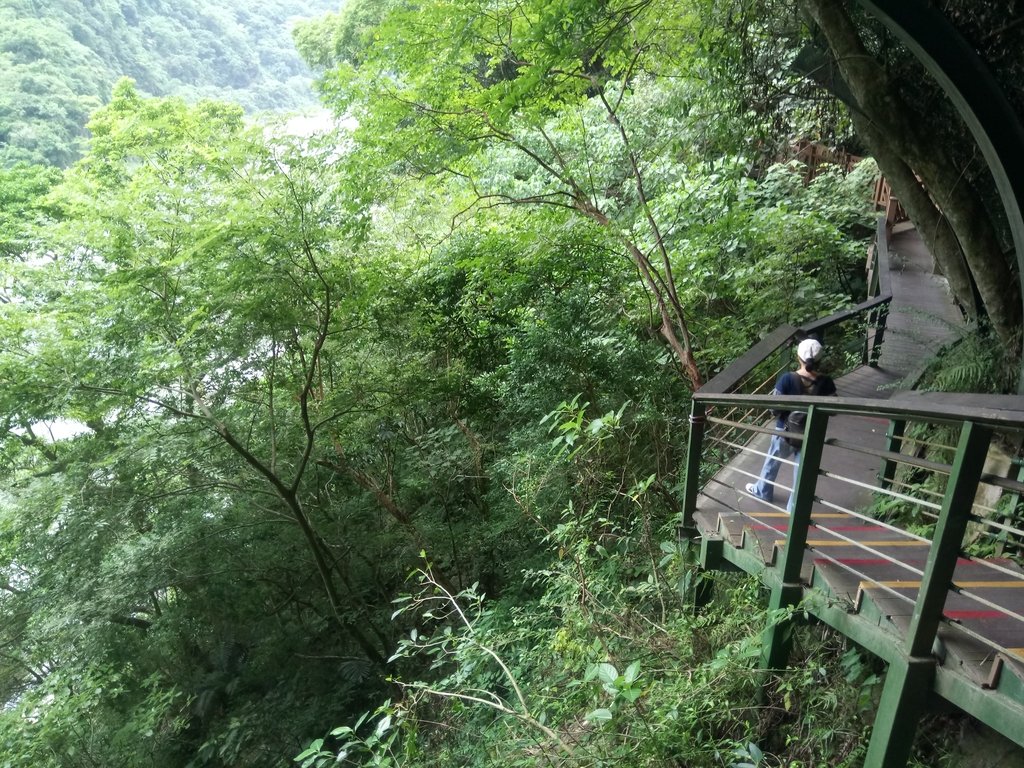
{"type": "Point", "coordinates": [805, 381]}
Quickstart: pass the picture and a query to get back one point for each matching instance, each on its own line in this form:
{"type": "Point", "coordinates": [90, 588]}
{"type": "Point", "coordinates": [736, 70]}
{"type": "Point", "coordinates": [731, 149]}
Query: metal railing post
{"type": "Point", "coordinates": [694, 457]}
{"type": "Point", "coordinates": [777, 638]}
{"type": "Point", "coordinates": [893, 443]}
{"type": "Point", "coordinates": [879, 337]}
{"type": "Point", "coordinates": [947, 542]}
{"type": "Point", "coordinates": [872, 290]}
{"type": "Point", "coordinates": [1015, 499]}
{"type": "Point", "coordinates": [908, 683]}
{"type": "Point", "coordinates": [880, 316]}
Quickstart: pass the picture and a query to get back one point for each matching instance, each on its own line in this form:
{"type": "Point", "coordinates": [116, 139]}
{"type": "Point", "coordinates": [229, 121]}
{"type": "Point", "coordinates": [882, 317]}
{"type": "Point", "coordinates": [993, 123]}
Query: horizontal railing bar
{"type": "Point", "coordinates": [961, 399]}
{"type": "Point", "coordinates": [1017, 581]}
{"type": "Point", "coordinates": [727, 438]}
{"type": "Point", "coordinates": [884, 491]}
{"type": "Point", "coordinates": [896, 456]}
{"type": "Point", "coordinates": [741, 415]}
{"type": "Point", "coordinates": [821, 555]}
{"type": "Point", "coordinates": [755, 452]}
{"type": "Point", "coordinates": [974, 635]}
{"type": "Point", "coordinates": [879, 523]}
{"type": "Point", "coordinates": [743, 365]}
{"type": "Point", "coordinates": [859, 515]}
{"type": "Point", "coordinates": [1005, 483]}
{"type": "Point", "coordinates": [716, 481]}
{"type": "Point", "coordinates": [919, 489]}
{"type": "Point", "coordinates": [922, 410]}
{"type": "Point", "coordinates": [727, 441]}
{"type": "Point", "coordinates": [988, 603]}
{"type": "Point", "coordinates": [865, 578]}
{"type": "Point", "coordinates": [731, 412]}
{"type": "Point", "coordinates": [997, 525]}
{"type": "Point", "coordinates": [825, 556]}
{"type": "Point", "coordinates": [725, 435]}
{"type": "Point", "coordinates": [729, 487]}
{"type": "Point", "coordinates": [876, 522]}
{"type": "Point", "coordinates": [874, 583]}
{"type": "Point", "coordinates": [742, 426]}
{"type": "Point", "coordinates": [767, 384]}
{"type": "Point", "coordinates": [844, 314]}
{"type": "Point", "coordinates": [927, 443]}
{"type": "Point", "coordinates": [991, 565]}
{"type": "Point", "coordinates": [927, 491]}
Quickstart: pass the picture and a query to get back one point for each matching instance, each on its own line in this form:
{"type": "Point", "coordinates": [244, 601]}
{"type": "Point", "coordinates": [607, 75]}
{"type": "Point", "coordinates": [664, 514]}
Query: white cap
{"type": "Point", "coordinates": [808, 349]}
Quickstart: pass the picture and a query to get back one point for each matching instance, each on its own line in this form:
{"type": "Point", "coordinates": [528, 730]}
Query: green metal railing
{"type": "Point", "coordinates": [756, 371]}
{"type": "Point", "coordinates": [922, 479]}
{"type": "Point", "coordinates": [946, 521]}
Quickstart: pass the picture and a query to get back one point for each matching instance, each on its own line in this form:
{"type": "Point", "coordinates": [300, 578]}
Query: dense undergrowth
{"type": "Point", "coordinates": [600, 660]}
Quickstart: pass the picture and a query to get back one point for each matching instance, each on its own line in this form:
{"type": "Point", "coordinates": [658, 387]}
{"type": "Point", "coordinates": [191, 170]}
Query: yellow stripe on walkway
{"type": "Point", "coordinates": [1016, 652]}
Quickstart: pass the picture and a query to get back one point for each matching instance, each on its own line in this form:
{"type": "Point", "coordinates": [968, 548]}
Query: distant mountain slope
{"type": "Point", "coordinates": [59, 58]}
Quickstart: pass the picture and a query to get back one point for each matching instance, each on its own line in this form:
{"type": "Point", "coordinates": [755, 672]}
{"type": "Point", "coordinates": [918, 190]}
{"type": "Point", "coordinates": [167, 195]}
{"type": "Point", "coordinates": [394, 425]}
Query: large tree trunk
{"type": "Point", "coordinates": [909, 139]}
{"type": "Point", "coordinates": [935, 230]}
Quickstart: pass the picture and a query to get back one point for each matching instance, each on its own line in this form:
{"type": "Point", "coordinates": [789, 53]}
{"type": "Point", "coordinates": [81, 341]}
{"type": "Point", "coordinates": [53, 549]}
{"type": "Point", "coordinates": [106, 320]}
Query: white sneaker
{"type": "Point", "coordinates": [751, 488]}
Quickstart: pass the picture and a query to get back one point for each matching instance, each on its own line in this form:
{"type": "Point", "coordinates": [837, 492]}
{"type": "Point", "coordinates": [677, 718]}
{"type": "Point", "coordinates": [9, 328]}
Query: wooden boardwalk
{"type": "Point", "coordinates": [861, 573]}
{"type": "Point", "coordinates": [921, 320]}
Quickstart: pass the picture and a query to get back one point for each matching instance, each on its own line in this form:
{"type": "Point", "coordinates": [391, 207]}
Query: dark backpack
{"type": "Point", "coordinates": [796, 421]}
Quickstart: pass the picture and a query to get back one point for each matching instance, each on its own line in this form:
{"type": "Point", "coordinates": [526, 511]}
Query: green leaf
{"type": "Point", "coordinates": [607, 673]}
{"type": "Point", "coordinates": [312, 750]}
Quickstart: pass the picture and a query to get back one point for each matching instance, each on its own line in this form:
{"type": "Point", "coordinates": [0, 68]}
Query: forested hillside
{"type": "Point", "coordinates": [60, 58]}
{"type": "Point", "coordinates": [365, 446]}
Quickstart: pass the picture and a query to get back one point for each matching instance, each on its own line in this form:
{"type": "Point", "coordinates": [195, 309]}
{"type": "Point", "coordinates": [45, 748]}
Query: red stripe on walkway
{"type": "Point", "coordinates": [877, 561]}
{"type": "Point", "coordinates": [974, 614]}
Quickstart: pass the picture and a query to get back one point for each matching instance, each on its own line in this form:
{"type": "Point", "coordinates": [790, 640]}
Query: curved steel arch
{"type": "Point", "coordinates": [970, 85]}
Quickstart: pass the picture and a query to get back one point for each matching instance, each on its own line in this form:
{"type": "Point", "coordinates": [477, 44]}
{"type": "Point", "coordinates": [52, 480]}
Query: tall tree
{"type": "Point", "coordinates": [924, 173]}
{"type": "Point", "coordinates": [552, 83]}
{"type": "Point", "coordinates": [780, 58]}
{"type": "Point", "coordinates": [189, 320]}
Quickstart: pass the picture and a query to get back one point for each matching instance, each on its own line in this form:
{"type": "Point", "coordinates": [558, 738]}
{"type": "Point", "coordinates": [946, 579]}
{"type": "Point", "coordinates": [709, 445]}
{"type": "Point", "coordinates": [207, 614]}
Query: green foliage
{"type": "Point", "coordinates": [251, 380]}
{"type": "Point", "coordinates": [605, 665]}
{"type": "Point", "coordinates": [976, 362]}
{"type": "Point", "coordinates": [582, 127]}
{"type": "Point", "coordinates": [22, 189]}
{"type": "Point", "coordinates": [185, 305]}
{"type": "Point", "coordinates": [339, 37]}
{"type": "Point", "coordinates": [749, 49]}
{"type": "Point", "coordinates": [60, 60]}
